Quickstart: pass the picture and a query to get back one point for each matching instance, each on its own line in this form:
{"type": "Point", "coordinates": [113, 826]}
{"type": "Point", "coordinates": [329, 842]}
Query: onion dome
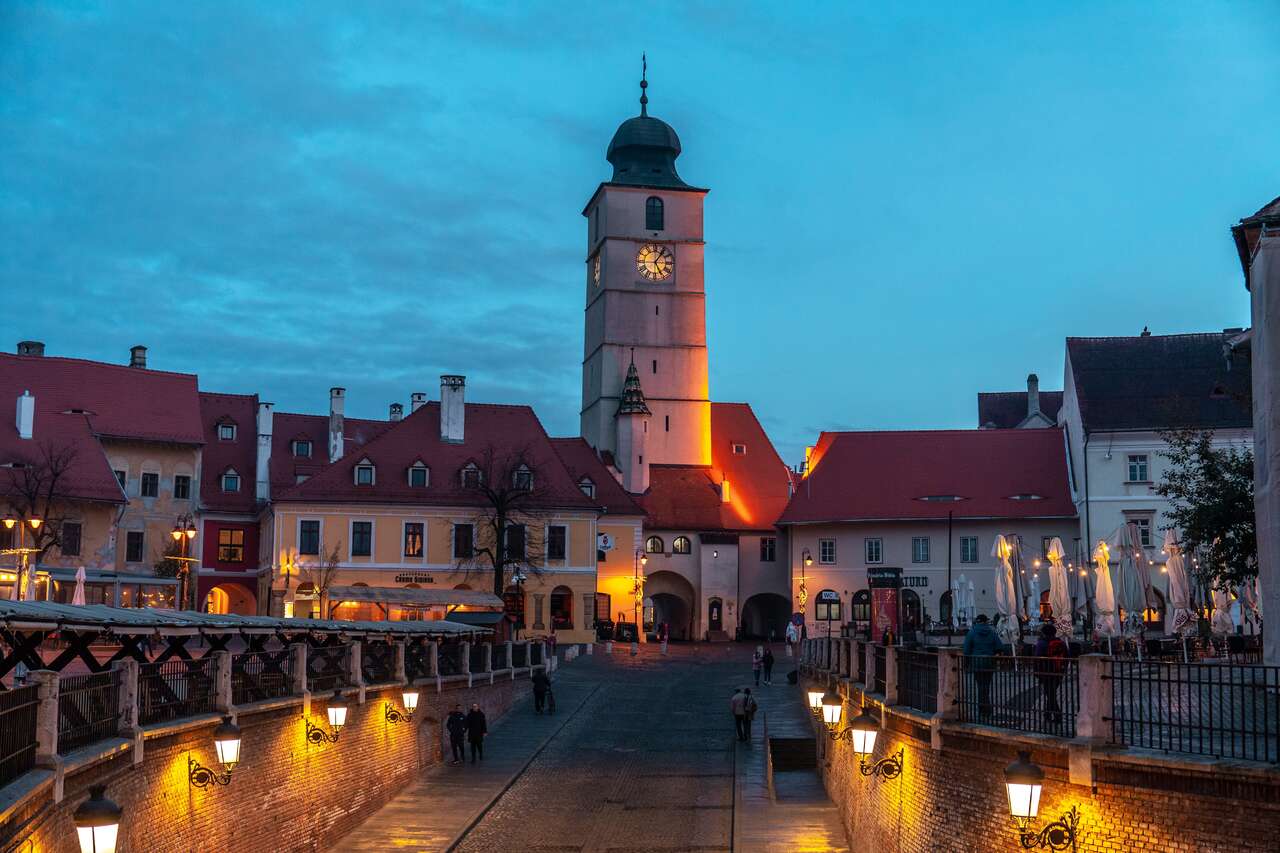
{"type": "Point", "coordinates": [644, 149]}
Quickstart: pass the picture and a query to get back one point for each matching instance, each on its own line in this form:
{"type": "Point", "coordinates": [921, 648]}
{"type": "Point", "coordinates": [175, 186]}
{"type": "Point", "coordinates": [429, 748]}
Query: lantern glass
{"type": "Point", "coordinates": [831, 714]}
{"type": "Point", "coordinates": [98, 839]}
{"type": "Point", "coordinates": [864, 741]}
{"type": "Point", "coordinates": [35, 523]}
{"type": "Point", "coordinates": [228, 751]}
{"type": "Point", "coordinates": [410, 698]}
{"type": "Point", "coordinates": [97, 822]}
{"type": "Point", "coordinates": [815, 699]}
{"type": "Point", "coordinates": [337, 716]}
{"type": "Point", "coordinates": [1024, 800]}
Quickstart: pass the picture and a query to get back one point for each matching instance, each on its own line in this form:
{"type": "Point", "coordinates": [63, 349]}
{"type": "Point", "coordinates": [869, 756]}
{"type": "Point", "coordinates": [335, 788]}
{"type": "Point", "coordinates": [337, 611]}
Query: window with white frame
{"type": "Point", "coordinates": [968, 549]}
{"type": "Point", "coordinates": [302, 447]}
{"type": "Point", "coordinates": [413, 535]}
{"type": "Point", "coordinates": [588, 487]}
{"type": "Point", "coordinates": [919, 549]}
{"type": "Point", "coordinates": [230, 480]}
{"type": "Point", "coordinates": [226, 431]}
{"type": "Point", "coordinates": [681, 545]}
{"type": "Point", "coordinates": [418, 475]}
{"type": "Point", "coordinates": [1138, 468]}
{"type": "Point", "coordinates": [827, 551]}
{"type": "Point", "coordinates": [364, 473]}
{"type": "Point", "coordinates": [362, 538]}
{"type": "Point", "coordinates": [522, 478]}
{"type": "Point", "coordinates": [739, 449]}
{"type": "Point", "coordinates": [1143, 523]}
{"type": "Point", "coordinates": [470, 476]}
{"type": "Point", "coordinates": [874, 547]}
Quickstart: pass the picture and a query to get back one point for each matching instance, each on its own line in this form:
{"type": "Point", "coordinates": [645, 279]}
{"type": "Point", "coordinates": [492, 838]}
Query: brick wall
{"type": "Point", "coordinates": [285, 795]}
{"type": "Point", "coordinates": [953, 798]}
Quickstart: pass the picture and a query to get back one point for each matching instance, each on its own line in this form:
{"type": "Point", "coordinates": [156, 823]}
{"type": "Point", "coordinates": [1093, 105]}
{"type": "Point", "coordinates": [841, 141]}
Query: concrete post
{"type": "Point", "coordinates": [948, 682]}
{"type": "Point", "coordinates": [298, 662]}
{"type": "Point", "coordinates": [46, 717]}
{"type": "Point", "coordinates": [488, 657]}
{"type": "Point", "coordinates": [1095, 698]}
{"type": "Point", "coordinates": [222, 681]}
{"type": "Point", "coordinates": [397, 672]}
{"type": "Point", "coordinates": [355, 671]}
{"type": "Point", "coordinates": [891, 675]}
{"type": "Point", "coordinates": [127, 705]}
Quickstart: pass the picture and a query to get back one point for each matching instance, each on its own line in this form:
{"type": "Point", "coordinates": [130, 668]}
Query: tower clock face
{"type": "Point", "coordinates": [595, 270]}
{"type": "Point", "coordinates": [654, 262]}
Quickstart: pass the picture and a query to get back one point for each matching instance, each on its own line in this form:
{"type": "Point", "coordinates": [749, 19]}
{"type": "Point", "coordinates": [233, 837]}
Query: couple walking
{"type": "Point", "coordinates": [762, 660]}
{"type": "Point", "coordinates": [472, 726]}
{"type": "Point", "coordinates": [743, 707]}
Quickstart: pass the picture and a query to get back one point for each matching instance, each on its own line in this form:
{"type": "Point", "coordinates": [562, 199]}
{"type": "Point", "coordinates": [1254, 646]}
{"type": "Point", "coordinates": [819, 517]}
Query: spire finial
{"type": "Point", "coordinates": [644, 84]}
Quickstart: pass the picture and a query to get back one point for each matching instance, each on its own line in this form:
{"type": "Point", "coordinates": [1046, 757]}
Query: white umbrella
{"type": "Point", "coordinates": [1179, 617]}
{"type": "Point", "coordinates": [1129, 596]}
{"type": "Point", "coordinates": [1104, 596]}
{"type": "Point", "coordinates": [77, 597]}
{"type": "Point", "coordinates": [1251, 603]}
{"type": "Point", "coordinates": [1006, 594]}
{"type": "Point", "coordinates": [1033, 598]}
{"type": "Point", "coordinates": [970, 603]}
{"type": "Point", "coordinates": [955, 601]}
{"type": "Point", "coordinates": [1059, 592]}
{"type": "Point", "coordinates": [1222, 623]}
{"type": "Point", "coordinates": [30, 591]}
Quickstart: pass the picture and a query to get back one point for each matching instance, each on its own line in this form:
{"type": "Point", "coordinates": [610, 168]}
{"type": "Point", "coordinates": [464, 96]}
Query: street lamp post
{"type": "Point", "coordinates": [22, 552]}
{"type": "Point", "coordinates": [638, 590]}
{"type": "Point", "coordinates": [184, 533]}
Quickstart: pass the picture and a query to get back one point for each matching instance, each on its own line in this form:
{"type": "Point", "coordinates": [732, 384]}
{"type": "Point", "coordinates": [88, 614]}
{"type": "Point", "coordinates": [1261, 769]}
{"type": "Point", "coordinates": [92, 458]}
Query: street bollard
{"type": "Point", "coordinates": [664, 647]}
{"type": "Point", "coordinates": [635, 649]}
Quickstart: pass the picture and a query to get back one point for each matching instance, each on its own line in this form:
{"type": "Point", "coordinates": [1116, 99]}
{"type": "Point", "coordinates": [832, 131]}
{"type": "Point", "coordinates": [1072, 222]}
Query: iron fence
{"type": "Point", "coordinates": [326, 668]}
{"type": "Point", "coordinates": [918, 680]}
{"type": "Point", "coordinates": [479, 657]}
{"type": "Point", "coordinates": [878, 684]}
{"type": "Point", "coordinates": [377, 661]}
{"type": "Point", "coordinates": [417, 660]}
{"type": "Point", "coordinates": [519, 656]}
{"type": "Point", "coordinates": [175, 688]}
{"type": "Point", "coordinates": [536, 654]}
{"type": "Point", "coordinates": [258, 676]}
{"type": "Point", "coordinates": [1217, 709]}
{"type": "Point", "coordinates": [861, 663]}
{"type": "Point", "coordinates": [88, 709]}
{"type": "Point", "coordinates": [18, 731]}
{"type": "Point", "coordinates": [1028, 694]}
{"type": "Point", "coordinates": [500, 658]}
{"type": "Point", "coordinates": [450, 659]}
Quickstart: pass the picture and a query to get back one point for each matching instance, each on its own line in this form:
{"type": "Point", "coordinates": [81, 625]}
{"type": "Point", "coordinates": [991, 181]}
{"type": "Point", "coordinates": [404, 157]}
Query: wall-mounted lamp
{"type": "Point", "coordinates": [394, 715]}
{"type": "Point", "coordinates": [815, 702]}
{"type": "Point", "coordinates": [1023, 780]}
{"type": "Point", "coordinates": [337, 713]}
{"type": "Point", "coordinates": [226, 742]}
{"type": "Point", "coordinates": [861, 734]}
{"type": "Point", "coordinates": [97, 822]}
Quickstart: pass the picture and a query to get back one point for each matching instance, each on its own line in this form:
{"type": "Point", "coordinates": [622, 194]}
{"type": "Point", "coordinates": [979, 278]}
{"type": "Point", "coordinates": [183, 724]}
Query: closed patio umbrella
{"type": "Point", "coordinates": [1107, 623]}
{"type": "Point", "coordinates": [77, 597]}
{"type": "Point", "coordinates": [1180, 618]}
{"type": "Point", "coordinates": [1222, 623]}
{"type": "Point", "coordinates": [1006, 592]}
{"type": "Point", "coordinates": [1251, 603]}
{"type": "Point", "coordinates": [971, 603]}
{"type": "Point", "coordinates": [1059, 592]}
{"type": "Point", "coordinates": [956, 601]}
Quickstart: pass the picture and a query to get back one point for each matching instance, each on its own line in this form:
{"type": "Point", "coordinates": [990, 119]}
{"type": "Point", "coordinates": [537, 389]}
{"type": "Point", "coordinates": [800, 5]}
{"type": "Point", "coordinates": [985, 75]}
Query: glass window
{"type": "Point", "coordinates": [470, 477]}
{"type": "Point", "coordinates": [364, 475]}
{"type": "Point", "coordinates": [562, 608]}
{"type": "Point", "coordinates": [182, 487]}
{"type": "Point", "coordinates": [522, 479]}
{"type": "Point", "coordinates": [653, 218]}
{"type": "Point", "coordinates": [226, 432]}
{"type": "Point", "coordinates": [230, 546]}
{"type": "Point", "coordinates": [557, 542]}
{"type": "Point", "coordinates": [968, 549]}
{"type": "Point", "coordinates": [231, 482]}
{"type": "Point", "coordinates": [588, 488]}
{"type": "Point", "coordinates": [362, 538]}
{"type": "Point", "coordinates": [919, 549]}
{"type": "Point", "coordinates": [150, 484]}
{"type": "Point", "coordinates": [133, 542]}
{"type": "Point", "coordinates": [1045, 542]}
{"type": "Point", "coordinates": [860, 606]}
{"type": "Point", "coordinates": [413, 539]}
{"type": "Point", "coordinates": [1138, 468]}
{"type": "Point", "coordinates": [828, 606]}
{"type": "Point", "coordinates": [768, 549]}
{"type": "Point", "coordinates": [309, 537]}
{"type": "Point", "coordinates": [827, 551]}
{"type": "Point", "coordinates": [739, 450]}
{"type": "Point", "coordinates": [681, 545]}
{"type": "Point", "coordinates": [653, 545]}
{"type": "Point", "coordinates": [875, 550]}
{"type": "Point", "coordinates": [69, 544]}
{"type": "Point", "coordinates": [302, 447]}
{"type": "Point", "coordinates": [1144, 530]}
{"type": "Point", "coordinates": [122, 477]}
{"type": "Point", "coordinates": [418, 476]}
{"type": "Point", "coordinates": [463, 542]}
{"type": "Point", "coordinates": [515, 542]}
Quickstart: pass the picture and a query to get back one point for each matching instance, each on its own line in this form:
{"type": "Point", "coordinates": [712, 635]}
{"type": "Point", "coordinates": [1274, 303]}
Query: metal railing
{"type": "Point", "coordinates": [88, 709]}
{"type": "Point", "coordinates": [479, 658]}
{"type": "Point", "coordinates": [877, 685]}
{"type": "Point", "coordinates": [861, 664]}
{"type": "Point", "coordinates": [377, 661]}
{"type": "Point", "coordinates": [326, 668]}
{"type": "Point", "coordinates": [417, 660]}
{"type": "Point", "coordinates": [1028, 694]}
{"type": "Point", "coordinates": [918, 680]}
{"type": "Point", "coordinates": [519, 656]}
{"type": "Point", "coordinates": [450, 660]}
{"type": "Point", "coordinates": [18, 731]}
{"type": "Point", "coordinates": [536, 656]}
{"type": "Point", "coordinates": [258, 676]}
{"type": "Point", "coordinates": [1223, 710]}
{"type": "Point", "coordinates": [175, 688]}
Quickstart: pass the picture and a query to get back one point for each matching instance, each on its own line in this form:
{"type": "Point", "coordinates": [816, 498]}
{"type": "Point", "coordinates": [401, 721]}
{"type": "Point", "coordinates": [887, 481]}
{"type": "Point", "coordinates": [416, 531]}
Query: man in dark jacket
{"type": "Point", "coordinates": [1050, 668]}
{"type": "Point", "coordinates": [456, 725]}
{"type": "Point", "coordinates": [981, 645]}
{"type": "Point", "coordinates": [477, 728]}
{"type": "Point", "coordinates": [541, 684]}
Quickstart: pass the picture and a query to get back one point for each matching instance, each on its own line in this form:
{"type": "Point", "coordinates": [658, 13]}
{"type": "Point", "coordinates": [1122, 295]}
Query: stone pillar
{"type": "Point", "coordinates": [465, 654]}
{"type": "Point", "coordinates": [1095, 698]}
{"type": "Point", "coordinates": [127, 678]}
{"type": "Point", "coordinates": [222, 681]}
{"type": "Point", "coordinates": [538, 598]}
{"type": "Point", "coordinates": [46, 717]}
{"type": "Point", "coordinates": [355, 672]}
{"type": "Point", "coordinates": [488, 657]}
{"type": "Point", "coordinates": [506, 655]}
{"type": "Point", "coordinates": [948, 682]}
{"type": "Point", "coordinates": [891, 675]}
{"type": "Point", "coordinates": [397, 670]}
{"type": "Point", "coordinates": [298, 661]}
{"type": "Point", "coordinates": [433, 662]}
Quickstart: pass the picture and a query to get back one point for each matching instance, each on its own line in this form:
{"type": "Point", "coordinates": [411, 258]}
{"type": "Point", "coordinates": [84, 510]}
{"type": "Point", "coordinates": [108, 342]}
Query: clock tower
{"type": "Point", "coordinates": [646, 305]}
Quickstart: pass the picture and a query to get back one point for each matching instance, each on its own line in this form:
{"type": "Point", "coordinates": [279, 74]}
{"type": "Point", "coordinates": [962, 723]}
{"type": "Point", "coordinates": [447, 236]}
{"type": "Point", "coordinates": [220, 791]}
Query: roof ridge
{"type": "Point", "coordinates": [69, 359]}
{"type": "Point", "coordinates": [1217, 334]}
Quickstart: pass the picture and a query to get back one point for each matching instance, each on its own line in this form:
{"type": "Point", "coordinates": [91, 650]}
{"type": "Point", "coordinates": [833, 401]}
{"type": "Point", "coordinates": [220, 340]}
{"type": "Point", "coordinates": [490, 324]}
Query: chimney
{"type": "Point", "coordinates": [138, 357]}
{"type": "Point", "coordinates": [263, 479]}
{"type": "Point", "coordinates": [397, 412]}
{"type": "Point", "coordinates": [33, 348]}
{"type": "Point", "coordinates": [726, 496]}
{"type": "Point", "coordinates": [417, 400]}
{"type": "Point", "coordinates": [1033, 395]}
{"type": "Point", "coordinates": [26, 415]}
{"type": "Point", "coordinates": [452, 408]}
{"type": "Point", "coordinates": [337, 401]}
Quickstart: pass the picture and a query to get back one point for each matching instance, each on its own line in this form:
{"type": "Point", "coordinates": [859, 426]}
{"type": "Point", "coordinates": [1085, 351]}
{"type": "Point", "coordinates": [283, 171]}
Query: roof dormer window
{"type": "Point", "coordinates": [418, 475]}
{"type": "Point", "coordinates": [471, 477]}
{"type": "Point", "coordinates": [739, 449]}
{"type": "Point", "coordinates": [227, 431]}
{"type": "Point", "coordinates": [522, 478]}
{"type": "Point", "coordinates": [302, 448]}
{"type": "Point", "coordinates": [588, 487]}
{"type": "Point", "coordinates": [364, 473]}
{"type": "Point", "coordinates": [230, 480]}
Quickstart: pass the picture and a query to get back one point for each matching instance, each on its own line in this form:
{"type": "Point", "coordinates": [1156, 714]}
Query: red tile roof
{"type": "Point", "coordinates": [240, 454]}
{"type": "Point", "coordinates": [286, 427]}
{"type": "Point", "coordinates": [864, 476]}
{"type": "Point", "coordinates": [505, 429]}
{"type": "Point", "coordinates": [582, 461]}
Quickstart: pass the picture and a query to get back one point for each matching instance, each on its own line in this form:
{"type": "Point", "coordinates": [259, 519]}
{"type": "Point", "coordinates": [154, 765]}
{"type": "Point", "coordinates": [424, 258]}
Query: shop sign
{"type": "Point", "coordinates": [414, 577]}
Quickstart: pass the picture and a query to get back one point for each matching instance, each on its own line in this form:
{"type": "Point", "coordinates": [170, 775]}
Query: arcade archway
{"type": "Point", "coordinates": [764, 616]}
{"type": "Point", "coordinates": [673, 598]}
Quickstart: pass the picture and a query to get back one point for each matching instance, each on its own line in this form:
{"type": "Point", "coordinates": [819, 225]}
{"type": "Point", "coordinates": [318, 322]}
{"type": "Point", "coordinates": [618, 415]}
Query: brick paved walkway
{"type": "Point", "coordinates": [639, 757]}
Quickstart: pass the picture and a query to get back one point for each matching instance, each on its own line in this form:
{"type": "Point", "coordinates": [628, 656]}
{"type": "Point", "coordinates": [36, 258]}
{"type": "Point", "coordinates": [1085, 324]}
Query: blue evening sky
{"type": "Point", "coordinates": [907, 206]}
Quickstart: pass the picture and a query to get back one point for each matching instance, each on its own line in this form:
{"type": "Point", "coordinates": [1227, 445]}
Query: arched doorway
{"type": "Point", "coordinates": [715, 615]}
{"type": "Point", "coordinates": [230, 598]}
{"type": "Point", "coordinates": [912, 614]}
{"type": "Point", "coordinates": [764, 616]}
{"type": "Point", "coordinates": [562, 608]}
{"type": "Point", "coordinates": [672, 597]}
{"type": "Point", "coordinates": [860, 610]}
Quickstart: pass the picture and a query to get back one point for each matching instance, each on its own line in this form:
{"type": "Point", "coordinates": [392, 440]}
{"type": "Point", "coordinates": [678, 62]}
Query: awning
{"type": "Point", "coordinates": [420, 597]}
{"type": "Point", "coordinates": [485, 618]}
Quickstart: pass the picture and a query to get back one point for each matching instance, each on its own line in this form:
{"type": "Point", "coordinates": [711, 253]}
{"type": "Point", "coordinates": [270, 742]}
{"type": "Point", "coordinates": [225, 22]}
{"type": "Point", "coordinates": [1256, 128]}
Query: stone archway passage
{"type": "Point", "coordinates": [231, 598]}
{"type": "Point", "coordinates": [673, 600]}
{"type": "Point", "coordinates": [764, 615]}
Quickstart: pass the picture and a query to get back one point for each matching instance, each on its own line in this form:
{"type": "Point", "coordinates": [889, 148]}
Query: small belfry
{"type": "Point", "coordinates": [633, 428]}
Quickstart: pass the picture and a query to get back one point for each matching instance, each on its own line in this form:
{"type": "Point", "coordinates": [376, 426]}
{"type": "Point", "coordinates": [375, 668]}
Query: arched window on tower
{"type": "Point", "coordinates": [653, 214]}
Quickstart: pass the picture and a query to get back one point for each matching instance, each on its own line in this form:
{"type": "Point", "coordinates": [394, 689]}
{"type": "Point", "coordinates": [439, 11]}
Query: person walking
{"type": "Point", "coordinates": [738, 707]}
{"type": "Point", "coordinates": [981, 645]}
{"type": "Point", "coordinates": [456, 725]}
{"type": "Point", "coordinates": [1050, 668]}
{"type": "Point", "coordinates": [749, 707]}
{"type": "Point", "coordinates": [757, 663]}
{"type": "Point", "coordinates": [541, 684]}
{"type": "Point", "coordinates": [767, 660]}
{"type": "Point", "coordinates": [477, 728]}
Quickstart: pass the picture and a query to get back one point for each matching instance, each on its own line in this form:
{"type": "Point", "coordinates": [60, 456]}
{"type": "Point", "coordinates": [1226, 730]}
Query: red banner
{"type": "Point", "coordinates": [884, 612]}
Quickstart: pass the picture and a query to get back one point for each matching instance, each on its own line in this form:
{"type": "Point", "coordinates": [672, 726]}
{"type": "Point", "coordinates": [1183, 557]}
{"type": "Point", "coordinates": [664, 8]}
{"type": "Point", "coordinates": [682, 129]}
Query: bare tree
{"type": "Point", "coordinates": [321, 573]}
{"type": "Point", "coordinates": [38, 488]}
{"type": "Point", "coordinates": [509, 523]}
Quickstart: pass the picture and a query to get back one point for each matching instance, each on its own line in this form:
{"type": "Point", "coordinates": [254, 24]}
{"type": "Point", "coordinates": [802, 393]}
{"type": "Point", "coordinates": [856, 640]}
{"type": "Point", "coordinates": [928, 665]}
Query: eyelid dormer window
{"type": "Point", "coordinates": [365, 473]}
